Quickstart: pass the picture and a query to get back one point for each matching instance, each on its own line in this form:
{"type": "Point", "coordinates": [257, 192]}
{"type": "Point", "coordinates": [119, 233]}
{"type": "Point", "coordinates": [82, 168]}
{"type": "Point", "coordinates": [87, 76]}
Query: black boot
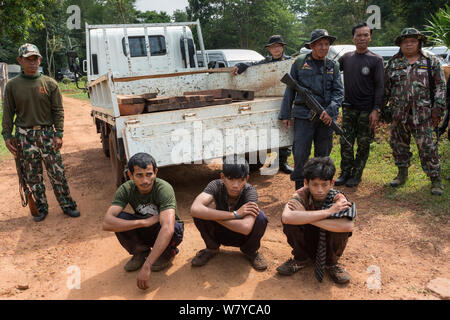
{"type": "Point", "coordinates": [342, 179]}
{"type": "Point", "coordinates": [285, 167]}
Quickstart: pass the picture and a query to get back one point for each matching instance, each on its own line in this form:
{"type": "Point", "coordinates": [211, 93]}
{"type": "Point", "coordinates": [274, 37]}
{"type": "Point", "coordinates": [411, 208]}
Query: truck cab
{"type": "Point", "coordinates": [124, 51]}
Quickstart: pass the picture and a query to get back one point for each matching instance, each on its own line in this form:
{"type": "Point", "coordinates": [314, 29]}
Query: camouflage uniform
{"type": "Point", "coordinates": [33, 104]}
{"type": "Point", "coordinates": [356, 126]}
{"type": "Point", "coordinates": [407, 90]}
{"type": "Point", "coordinates": [36, 146]}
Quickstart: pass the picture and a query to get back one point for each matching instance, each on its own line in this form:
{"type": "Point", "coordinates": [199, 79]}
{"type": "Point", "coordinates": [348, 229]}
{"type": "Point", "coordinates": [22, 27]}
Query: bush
{"type": "Point", "coordinates": [66, 81]}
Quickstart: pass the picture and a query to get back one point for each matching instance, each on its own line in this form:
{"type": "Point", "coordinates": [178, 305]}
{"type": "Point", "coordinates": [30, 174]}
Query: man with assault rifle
{"type": "Point", "coordinates": [35, 102]}
{"type": "Point", "coordinates": [321, 77]}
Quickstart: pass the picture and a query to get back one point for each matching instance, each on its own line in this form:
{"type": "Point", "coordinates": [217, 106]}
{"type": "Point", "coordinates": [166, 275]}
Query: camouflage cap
{"type": "Point", "coordinates": [410, 33]}
{"type": "Point", "coordinates": [29, 49]}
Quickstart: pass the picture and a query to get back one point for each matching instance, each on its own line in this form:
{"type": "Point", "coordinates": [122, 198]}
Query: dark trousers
{"type": "Point", "coordinates": [305, 132]}
{"type": "Point", "coordinates": [304, 238]}
{"type": "Point", "coordinates": [142, 239]}
{"type": "Point", "coordinates": [214, 235]}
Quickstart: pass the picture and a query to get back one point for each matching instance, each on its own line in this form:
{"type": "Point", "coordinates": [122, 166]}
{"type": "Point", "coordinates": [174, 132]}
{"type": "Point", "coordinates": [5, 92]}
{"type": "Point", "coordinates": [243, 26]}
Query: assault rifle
{"type": "Point", "coordinates": [25, 193]}
{"type": "Point", "coordinates": [311, 103]}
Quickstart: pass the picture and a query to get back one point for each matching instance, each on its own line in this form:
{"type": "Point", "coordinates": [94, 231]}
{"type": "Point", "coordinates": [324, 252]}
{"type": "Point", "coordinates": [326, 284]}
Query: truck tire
{"type": "Point", "coordinates": [117, 166]}
{"type": "Point", "coordinates": [104, 137]}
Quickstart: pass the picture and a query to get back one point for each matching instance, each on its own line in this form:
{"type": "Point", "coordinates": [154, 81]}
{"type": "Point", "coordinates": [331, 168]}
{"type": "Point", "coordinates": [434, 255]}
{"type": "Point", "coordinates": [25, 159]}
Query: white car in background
{"type": "Point", "coordinates": [335, 51]}
{"type": "Point", "coordinates": [223, 58]}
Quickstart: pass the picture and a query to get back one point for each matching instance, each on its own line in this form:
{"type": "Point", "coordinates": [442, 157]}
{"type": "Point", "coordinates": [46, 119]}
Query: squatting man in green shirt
{"type": "Point", "coordinates": [154, 231]}
{"type": "Point", "coordinates": [35, 101]}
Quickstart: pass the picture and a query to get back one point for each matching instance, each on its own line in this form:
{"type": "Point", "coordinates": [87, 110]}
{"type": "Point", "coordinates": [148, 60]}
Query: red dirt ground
{"type": "Point", "coordinates": [408, 249]}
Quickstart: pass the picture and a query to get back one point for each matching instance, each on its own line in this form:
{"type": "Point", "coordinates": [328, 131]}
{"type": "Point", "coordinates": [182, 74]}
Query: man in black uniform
{"type": "Point", "coordinates": [321, 75]}
{"type": "Point", "coordinates": [363, 84]}
{"type": "Point", "coordinates": [275, 46]}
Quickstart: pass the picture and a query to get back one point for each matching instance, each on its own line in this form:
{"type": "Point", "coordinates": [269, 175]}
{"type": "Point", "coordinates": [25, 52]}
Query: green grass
{"type": "Point", "coordinates": [416, 193]}
{"type": "Point", "coordinates": [70, 90]}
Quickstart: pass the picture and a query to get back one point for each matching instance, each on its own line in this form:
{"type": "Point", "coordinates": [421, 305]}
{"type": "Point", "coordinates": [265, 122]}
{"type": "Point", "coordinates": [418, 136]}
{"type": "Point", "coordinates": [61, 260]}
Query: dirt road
{"type": "Point", "coordinates": [41, 260]}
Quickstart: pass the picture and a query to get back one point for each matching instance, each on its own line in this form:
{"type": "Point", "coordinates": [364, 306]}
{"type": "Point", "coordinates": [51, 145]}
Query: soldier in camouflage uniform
{"type": "Point", "coordinates": [408, 77]}
{"type": "Point", "coordinates": [36, 102]}
{"type": "Point", "coordinates": [275, 46]}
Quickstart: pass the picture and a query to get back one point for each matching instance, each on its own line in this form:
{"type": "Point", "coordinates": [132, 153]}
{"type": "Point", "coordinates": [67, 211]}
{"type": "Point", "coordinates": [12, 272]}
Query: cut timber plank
{"type": "Point", "coordinates": [161, 100]}
{"type": "Point", "coordinates": [219, 101]}
{"type": "Point", "coordinates": [225, 93]}
{"type": "Point", "coordinates": [129, 99]}
{"type": "Point", "coordinates": [149, 95]}
{"type": "Point", "coordinates": [130, 109]}
{"type": "Point", "coordinates": [177, 74]}
{"type": "Point", "coordinates": [192, 98]}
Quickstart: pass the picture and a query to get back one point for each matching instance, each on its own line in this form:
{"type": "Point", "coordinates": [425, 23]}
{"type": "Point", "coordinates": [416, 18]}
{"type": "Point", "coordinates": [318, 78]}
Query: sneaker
{"type": "Point", "coordinates": [74, 213]}
{"type": "Point", "coordinates": [41, 216]}
{"type": "Point", "coordinates": [257, 260]}
{"type": "Point", "coordinates": [291, 266]}
{"type": "Point", "coordinates": [161, 263]}
{"type": "Point", "coordinates": [136, 262]}
{"type": "Point", "coordinates": [203, 256]}
{"type": "Point", "coordinates": [338, 274]}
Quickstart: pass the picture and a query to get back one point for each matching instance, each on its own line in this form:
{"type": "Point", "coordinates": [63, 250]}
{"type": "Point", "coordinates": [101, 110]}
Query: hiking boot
{"type": "Point", "coordinates": [74, 213]}
{"type": "Point", "coordinates": [291, 266]}
{"type": "Point", "coordinates": [342, 179]}
{"type": "Point", "coordinates": [338, 274]}
{"type": "Point", "coordinates": [136, 262]}
{"type": "Point", "coordinates": [401, 178]}
{"type": "Point", "coordinates": [436, 186]}
{"type": "Point", "coordinates": [161, 263]}
{"type": "Point", "coordinates": [203, 256]}
{"type": "Point", "coordinates": [42, 215]}
{"type": "Point", "coordinates": [257, 260]}
{"type": "Point", "coordinates": [352, 182]}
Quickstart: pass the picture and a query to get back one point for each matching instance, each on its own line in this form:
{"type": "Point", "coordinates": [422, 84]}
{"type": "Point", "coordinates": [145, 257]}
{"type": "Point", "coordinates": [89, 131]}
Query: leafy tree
{"type": "Point", "coordinates": [245, 23]}
{"type": "Point", "coordinates": [439, 27]}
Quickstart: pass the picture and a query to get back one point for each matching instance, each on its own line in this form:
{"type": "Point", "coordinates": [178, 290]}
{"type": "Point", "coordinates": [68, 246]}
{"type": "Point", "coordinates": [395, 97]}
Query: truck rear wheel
{"type": "Point", "coordinates": [105, 140]}
{"type": "Point", "coordinates": [116, 165]}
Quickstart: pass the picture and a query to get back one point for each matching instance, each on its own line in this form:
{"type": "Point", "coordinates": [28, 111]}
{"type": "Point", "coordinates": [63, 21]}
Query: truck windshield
{"type": "Point", "coordinates": [137, 46]}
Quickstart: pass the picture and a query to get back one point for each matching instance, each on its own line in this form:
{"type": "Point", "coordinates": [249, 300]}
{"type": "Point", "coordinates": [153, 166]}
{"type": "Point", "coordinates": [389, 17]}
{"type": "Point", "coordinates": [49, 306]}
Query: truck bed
{"type": "Point", "coordinates": [198, 134]}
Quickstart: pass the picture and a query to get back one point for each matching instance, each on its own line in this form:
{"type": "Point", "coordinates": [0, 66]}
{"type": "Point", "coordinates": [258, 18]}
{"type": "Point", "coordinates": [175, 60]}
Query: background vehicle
{"type": "Point", "coordinates": [335, 52]}
{"type": "Point", "coordinates": [223, 58]}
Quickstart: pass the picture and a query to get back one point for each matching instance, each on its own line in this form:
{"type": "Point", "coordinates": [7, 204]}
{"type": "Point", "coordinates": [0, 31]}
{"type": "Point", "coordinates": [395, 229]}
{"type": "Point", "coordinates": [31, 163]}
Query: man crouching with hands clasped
{"type": "Point", "coordinates": [226, 213]}
{"type": "Point", "coordinates": [154, 231]}
{"type": "Point", "coordinates": [318, 221]}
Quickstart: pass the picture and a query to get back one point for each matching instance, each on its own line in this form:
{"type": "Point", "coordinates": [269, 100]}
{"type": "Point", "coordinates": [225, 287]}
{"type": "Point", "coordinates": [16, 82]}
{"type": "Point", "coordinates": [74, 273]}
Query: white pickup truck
{"type": "Point", "coordinates": [160, 58]}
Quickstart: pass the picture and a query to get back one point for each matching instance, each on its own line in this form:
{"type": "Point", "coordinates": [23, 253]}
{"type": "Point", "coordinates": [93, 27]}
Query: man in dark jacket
{"type": "Point", "coordinates": [315, 72]}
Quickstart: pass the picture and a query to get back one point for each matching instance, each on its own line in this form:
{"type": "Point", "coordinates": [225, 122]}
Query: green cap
{"type": "Point", "coordinates": [410, 33]}
{"type": "Point", "coordinates": [29, 49]}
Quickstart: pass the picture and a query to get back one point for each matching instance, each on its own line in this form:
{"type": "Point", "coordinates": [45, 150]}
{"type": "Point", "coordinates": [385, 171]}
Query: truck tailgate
{"type": "Point", "coordinates": [194, 135]}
